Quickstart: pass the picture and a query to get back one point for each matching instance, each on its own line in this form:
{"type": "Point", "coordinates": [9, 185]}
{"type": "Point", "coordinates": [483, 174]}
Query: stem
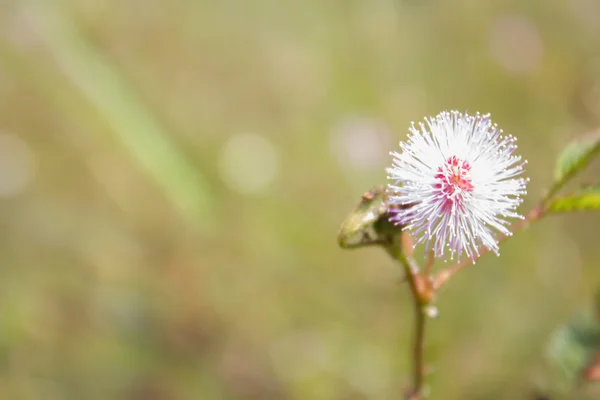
{"type": "Point", "coordinates": [417, 290]}
{"type": "Point", "coordinates": [443, 276]}
{"type": "Point", "coordinates": [430, 262]}
{"type": "Point", "coordinates": [418, 352]}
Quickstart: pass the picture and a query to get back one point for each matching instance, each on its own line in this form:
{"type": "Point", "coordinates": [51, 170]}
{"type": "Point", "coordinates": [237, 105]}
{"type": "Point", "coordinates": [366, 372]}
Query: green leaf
{"type": "Point", "coordinates": [572, 359]}
{"type": "Point", "coordinates": [575, 156]}
{"type": "Point", "coordinates": [585, 199]}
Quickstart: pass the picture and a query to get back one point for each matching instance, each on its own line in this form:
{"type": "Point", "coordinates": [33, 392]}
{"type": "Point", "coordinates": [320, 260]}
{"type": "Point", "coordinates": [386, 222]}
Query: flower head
{"type": "Point", "coordinates": [454, 180]}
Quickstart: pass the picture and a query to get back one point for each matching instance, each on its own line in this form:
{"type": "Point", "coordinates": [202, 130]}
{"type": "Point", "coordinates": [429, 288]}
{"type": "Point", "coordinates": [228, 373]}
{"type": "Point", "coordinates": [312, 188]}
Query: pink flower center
{"type": "Point", "coordinates": [453, 182]}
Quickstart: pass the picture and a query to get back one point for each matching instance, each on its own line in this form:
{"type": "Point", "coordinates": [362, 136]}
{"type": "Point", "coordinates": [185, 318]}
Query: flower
{"type": "Point", "coordinates": [454, 180]}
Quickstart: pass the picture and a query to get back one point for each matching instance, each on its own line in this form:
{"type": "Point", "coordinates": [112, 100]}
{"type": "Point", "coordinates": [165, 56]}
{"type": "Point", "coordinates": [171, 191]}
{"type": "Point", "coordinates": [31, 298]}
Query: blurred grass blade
{"type": "Point", "coordinates": [585, 199]}
{"type": "Point", "coordinates": [102, 85]}
{"type": "Point", "coordinates": [573, 158]}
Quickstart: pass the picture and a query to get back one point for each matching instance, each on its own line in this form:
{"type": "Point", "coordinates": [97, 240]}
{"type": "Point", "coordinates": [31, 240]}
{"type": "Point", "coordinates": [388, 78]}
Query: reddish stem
{"type": "Point", "coordinates": [443, 276]}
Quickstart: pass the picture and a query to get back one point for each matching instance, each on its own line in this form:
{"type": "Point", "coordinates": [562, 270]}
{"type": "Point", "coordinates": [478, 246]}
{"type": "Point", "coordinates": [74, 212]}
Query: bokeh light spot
{"type": "Point", "coordinates": [248, 163]}
{"type": "Point", "coordinates": [300, 355]}
{"type": "Point", "coordinates": [587, 13]}
{"type": "Point", "coordinates": [367, 370]}
{"type": "Point", "coordinates": [16, 165]}
{"type": "Point", "coordinates": [515, 44]}
{"type": "Point", "coordinates": [360, 142]}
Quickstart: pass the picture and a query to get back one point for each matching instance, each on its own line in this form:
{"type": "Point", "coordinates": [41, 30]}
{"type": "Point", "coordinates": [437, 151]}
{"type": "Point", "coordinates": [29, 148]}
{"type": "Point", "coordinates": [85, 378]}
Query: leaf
{"type": "Point", "coordinates": [571, 355]}
{"type": "Point", "coordinates": [576, 156]}
{"type": "Point", "coordinates": [572, 367]}
{"type": "Point", "coordinates": [583, 200]}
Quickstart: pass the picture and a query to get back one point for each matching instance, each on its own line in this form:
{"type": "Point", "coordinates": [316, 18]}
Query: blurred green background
{"type": "Point", "coordinates": [173, 175]}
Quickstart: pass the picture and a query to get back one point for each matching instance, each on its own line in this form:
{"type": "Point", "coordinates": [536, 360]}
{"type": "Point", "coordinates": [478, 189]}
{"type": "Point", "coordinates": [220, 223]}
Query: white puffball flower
{"type": "Point", "coordinates": [454, 181]}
